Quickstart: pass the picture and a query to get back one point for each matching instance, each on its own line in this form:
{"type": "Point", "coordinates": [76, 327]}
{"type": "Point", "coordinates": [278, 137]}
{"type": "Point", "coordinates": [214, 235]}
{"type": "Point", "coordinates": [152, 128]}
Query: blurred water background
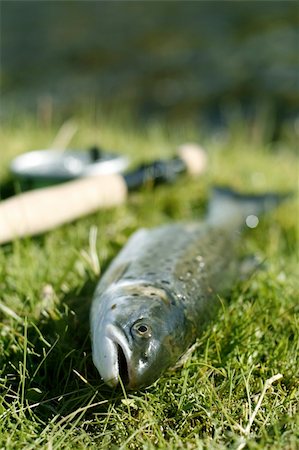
{"type": "Point", "coordinates": [175, 60]}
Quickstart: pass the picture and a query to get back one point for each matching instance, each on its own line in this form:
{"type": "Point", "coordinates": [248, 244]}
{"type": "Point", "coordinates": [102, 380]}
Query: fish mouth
{"type": "Point", "coordinates": [118, 367]}
{"type": "Point", "coordinates": [123, 369]}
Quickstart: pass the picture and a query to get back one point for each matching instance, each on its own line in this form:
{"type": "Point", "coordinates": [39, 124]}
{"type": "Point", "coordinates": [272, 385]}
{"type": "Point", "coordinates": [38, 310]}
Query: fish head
{"type": "Point", "coordinates": [135, 334]}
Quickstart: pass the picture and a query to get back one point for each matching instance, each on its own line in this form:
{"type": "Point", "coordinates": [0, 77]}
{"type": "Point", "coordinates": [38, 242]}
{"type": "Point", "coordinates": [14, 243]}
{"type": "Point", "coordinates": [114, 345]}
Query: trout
{"type": "Point", "coordinates": [163, 288]}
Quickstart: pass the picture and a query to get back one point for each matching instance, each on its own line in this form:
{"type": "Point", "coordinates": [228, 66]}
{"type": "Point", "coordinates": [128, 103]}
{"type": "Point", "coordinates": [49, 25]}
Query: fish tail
{"type": "Point", "coordinates": [227, 206]}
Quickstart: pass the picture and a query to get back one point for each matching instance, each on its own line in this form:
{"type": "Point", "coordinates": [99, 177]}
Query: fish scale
{"type": "Point", "coordinates": [163, 287]}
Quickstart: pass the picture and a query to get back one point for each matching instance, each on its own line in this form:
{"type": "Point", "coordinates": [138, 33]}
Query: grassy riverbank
{"type": "Point", "coordinates": [50, 394]}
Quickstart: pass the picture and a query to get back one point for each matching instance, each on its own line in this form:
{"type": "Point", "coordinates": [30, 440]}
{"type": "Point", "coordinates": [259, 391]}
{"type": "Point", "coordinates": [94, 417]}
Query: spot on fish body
{"type": "Point", "coordinates": [181, 297]}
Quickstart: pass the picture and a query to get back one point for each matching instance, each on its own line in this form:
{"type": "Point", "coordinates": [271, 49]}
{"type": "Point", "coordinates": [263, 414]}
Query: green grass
{"type": "Point", "coordinates": [51, 396]}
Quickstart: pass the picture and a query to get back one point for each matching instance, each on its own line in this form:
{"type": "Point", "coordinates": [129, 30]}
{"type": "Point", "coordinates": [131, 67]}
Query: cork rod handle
{"type": "Point", "coordinates": [43, 209]}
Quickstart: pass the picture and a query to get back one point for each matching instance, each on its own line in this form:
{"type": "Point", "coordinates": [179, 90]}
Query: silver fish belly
{"type": "Point", "coordinates": [155, 299]}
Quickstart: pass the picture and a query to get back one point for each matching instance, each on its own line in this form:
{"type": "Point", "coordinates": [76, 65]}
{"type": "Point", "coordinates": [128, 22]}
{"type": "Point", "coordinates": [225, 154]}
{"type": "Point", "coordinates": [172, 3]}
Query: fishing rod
{"type": "Point", "coordinates": [40, 210]}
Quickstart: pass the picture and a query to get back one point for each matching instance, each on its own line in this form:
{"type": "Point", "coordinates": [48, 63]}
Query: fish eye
{"type": "Point", "coordinates": [142, 329]}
